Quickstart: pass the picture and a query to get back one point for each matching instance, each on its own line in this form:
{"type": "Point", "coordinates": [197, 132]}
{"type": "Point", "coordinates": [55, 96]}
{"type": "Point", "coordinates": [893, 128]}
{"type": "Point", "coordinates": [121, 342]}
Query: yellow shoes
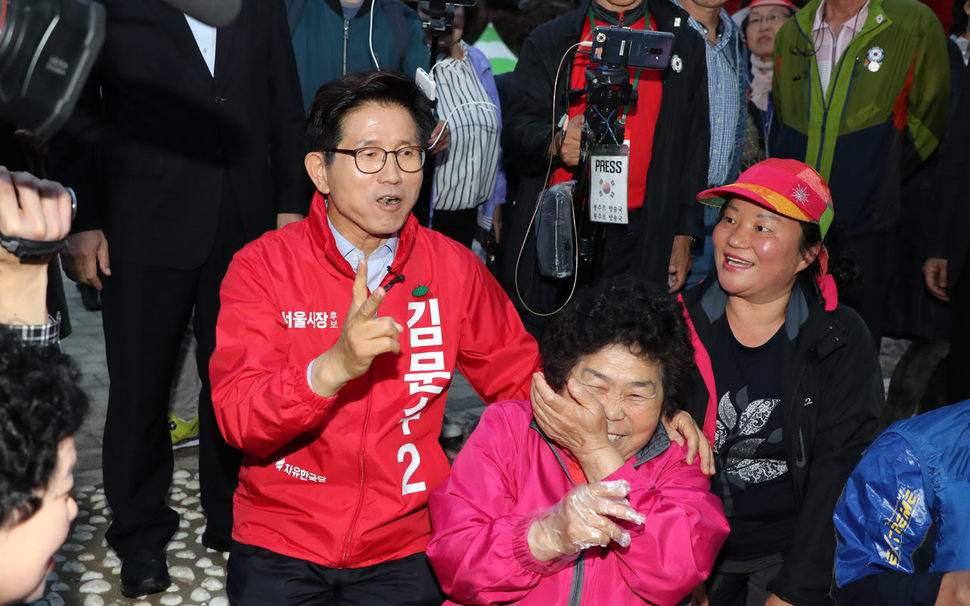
{"type": "Point", "coordinates": [184, 433]}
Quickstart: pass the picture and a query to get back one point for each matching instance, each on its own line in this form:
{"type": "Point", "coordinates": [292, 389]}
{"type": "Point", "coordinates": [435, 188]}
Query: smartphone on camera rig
{"type": "Point", "coordinates": [624, 47]}
{"type": "Point", "coordinates": [613, 51]}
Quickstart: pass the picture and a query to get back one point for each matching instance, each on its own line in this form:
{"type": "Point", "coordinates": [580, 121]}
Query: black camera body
{"type": "Point", "coordinates": [47, 49]}
{"type": "Point", "coordinates": [607, 90]}
{"type": "Point", "coordinates": [438, 16]}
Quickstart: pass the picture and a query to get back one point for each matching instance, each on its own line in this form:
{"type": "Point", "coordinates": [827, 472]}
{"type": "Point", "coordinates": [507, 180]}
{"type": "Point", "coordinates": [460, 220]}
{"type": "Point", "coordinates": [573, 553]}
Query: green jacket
{"type": "Point", "coordinates": [878, 122]}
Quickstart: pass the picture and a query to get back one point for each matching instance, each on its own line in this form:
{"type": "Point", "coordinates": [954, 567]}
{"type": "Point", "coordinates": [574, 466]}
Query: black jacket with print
{"type": "Point", "coordinates": [831, 407]}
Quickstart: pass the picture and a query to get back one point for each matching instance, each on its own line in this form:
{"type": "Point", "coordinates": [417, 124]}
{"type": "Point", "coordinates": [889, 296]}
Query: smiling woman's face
{"type": "Point", "coordinates": [757, 252]}
{"type": "Point", "coordinates": [630, 388]}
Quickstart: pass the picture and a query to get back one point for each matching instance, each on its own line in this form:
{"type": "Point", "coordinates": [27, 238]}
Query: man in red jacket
{"type": "Point", "coordinates": [336, 343]}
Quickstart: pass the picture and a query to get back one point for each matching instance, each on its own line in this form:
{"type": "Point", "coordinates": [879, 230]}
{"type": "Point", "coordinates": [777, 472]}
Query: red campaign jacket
{"type": "Point", "coordinates": [344, 481]}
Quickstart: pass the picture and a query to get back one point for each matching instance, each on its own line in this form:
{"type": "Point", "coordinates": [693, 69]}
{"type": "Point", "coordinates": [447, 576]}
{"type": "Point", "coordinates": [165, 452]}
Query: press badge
{"type": "Point", "coordinates": [608, 174]}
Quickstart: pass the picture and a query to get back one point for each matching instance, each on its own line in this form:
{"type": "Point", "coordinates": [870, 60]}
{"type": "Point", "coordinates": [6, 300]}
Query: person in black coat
{"type": "Point", "coordinates": [947, 270]}
{"type": "Point", "coordinates": [178, 160]}
{"type": "Point", "coordinates": [657, 237]}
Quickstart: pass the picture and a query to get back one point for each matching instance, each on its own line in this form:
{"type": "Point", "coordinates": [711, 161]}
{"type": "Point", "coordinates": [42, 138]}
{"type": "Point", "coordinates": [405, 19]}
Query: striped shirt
{"type": "Point", "coordinates": [465, 173]}
{"type": "Point", "coordinates": [830, 45]}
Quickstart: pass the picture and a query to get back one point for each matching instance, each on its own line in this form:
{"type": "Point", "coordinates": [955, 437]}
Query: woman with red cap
{"type": "Point", "coordinates": [789, 389]}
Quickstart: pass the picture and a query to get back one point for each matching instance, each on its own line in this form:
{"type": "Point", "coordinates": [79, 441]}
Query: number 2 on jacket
{"type": "Point", "coordinates": [427, 363]}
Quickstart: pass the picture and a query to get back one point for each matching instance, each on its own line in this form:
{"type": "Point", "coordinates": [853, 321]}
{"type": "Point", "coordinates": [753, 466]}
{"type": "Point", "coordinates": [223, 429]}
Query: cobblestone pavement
{"type": "Point", "coordinates": [86, 569]}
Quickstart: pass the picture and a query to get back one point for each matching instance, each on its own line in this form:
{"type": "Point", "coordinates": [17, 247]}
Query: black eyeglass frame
{"type": "Point", "coordinates": [353, 154]}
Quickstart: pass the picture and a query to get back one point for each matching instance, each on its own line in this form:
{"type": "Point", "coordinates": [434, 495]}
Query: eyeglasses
{"type": "Point", "coordinates": [370, 160]}
{"type": "Point", "coordinates": [771, 19]}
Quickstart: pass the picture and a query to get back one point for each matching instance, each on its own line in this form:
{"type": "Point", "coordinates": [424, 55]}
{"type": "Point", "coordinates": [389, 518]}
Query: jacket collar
{"type": "Point", "coordinates": [173, 22]}
{"type": "Point", "coordinates": [714, 302]}
{"type": "Point", "coordinates": [805, 315]}
{"type": "Point", "coordinates": [876, 18]}
{"type": "Point", "coordinates": [668, 16]}
{"type": "Point", "coordinates": [658, 444]}
{"type": "Point", "coordinates": [364, 8]}
{"type": "Point", "coordinates": [324, 240]}
{"type": "Point", "coordinates": [613, 18]}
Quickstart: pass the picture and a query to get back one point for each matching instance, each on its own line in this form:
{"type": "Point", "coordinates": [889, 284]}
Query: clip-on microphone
{"type": "Point", "coordinates": [397, 278]}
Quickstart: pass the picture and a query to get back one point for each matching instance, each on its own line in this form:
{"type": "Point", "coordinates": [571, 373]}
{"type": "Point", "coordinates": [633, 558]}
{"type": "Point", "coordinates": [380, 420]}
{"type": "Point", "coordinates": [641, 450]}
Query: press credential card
{"type": "Point", "coordinates": [609, 169]}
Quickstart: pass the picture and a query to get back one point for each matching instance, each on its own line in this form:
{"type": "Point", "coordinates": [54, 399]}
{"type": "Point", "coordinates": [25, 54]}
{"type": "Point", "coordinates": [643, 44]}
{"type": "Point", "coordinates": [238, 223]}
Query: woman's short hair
{"type": "Point", "coordinates": [339, 97]}
{"type": "Point", "coordinates": [41, 404]}
{"type": "Point", "coordinates": [624, 311]}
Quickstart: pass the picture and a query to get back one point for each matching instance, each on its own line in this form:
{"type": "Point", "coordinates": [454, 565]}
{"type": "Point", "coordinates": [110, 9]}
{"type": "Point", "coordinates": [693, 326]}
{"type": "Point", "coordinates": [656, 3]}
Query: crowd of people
{"type": "Point", "coordinates": [347, 203]}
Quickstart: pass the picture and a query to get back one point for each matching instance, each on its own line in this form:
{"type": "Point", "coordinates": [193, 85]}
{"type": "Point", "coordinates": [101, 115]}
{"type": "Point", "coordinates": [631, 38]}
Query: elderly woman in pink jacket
{"type": "Point", "coordinates": [576, 497]}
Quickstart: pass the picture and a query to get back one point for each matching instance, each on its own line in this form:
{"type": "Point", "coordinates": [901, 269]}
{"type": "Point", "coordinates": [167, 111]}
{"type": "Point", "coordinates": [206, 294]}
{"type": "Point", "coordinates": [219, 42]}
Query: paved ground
{"type": "Point", "coordinates": [86, 571]}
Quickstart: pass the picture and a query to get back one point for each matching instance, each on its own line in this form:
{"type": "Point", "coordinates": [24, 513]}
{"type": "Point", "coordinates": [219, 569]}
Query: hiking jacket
{"type": "Point", "coordinates": [328, 46]}
{"type": "Point", "coordinates": [904, 518]}
{"type": "Point", "coordinates": [885, 111]}
{"type": "Point", "coordinates": [509, 474]}
{"type": "Point", "coordinates": [681, 142]}
{"type": "Point", "coordinates": [343, 481]}
{"type": "Point", "coordinates": [831, 405]}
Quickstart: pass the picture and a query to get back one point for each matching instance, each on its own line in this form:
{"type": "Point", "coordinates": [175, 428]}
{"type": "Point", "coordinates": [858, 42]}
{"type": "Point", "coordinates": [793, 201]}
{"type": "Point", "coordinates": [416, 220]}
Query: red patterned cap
{"type": "Point", "coordinates": [788, 187]}
{"type": "Point", "coordinates": [784, 3]}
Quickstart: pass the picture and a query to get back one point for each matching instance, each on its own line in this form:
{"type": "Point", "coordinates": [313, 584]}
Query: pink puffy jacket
{"type": "Point", "coordinates": [508, 474]}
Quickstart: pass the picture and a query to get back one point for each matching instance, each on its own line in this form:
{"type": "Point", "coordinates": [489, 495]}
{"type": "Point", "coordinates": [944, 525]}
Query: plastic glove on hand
{"type": "Point", "coordinates": [583, 518]}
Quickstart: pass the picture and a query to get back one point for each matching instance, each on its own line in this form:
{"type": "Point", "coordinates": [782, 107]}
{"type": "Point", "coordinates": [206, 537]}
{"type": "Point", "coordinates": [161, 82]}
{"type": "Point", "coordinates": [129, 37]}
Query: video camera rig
{"type": "Point", "coordinates": [438, 19]}
{"type": "Point", "coordinates": [608, 88]}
